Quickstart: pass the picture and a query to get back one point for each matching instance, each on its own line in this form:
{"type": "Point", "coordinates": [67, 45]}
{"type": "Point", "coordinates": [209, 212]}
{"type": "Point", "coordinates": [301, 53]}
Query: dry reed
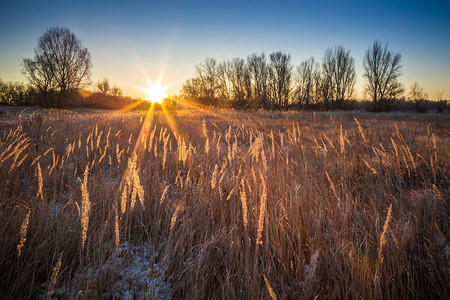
{"type": "Point", "coordinates": [230, 202]}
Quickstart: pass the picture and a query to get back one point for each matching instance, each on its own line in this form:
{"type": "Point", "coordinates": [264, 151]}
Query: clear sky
{"type": "Point", "coordinates": [130, 41]}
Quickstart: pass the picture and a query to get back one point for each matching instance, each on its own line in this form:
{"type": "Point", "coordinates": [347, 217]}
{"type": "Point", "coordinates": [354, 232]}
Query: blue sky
{"type": "Point", "coordinates": [131, 41]}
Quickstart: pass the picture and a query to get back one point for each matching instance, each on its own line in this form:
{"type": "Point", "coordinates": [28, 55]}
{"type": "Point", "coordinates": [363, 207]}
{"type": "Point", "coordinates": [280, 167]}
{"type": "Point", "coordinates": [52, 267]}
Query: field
{"type": "Point", "coordinates": [224, 204]}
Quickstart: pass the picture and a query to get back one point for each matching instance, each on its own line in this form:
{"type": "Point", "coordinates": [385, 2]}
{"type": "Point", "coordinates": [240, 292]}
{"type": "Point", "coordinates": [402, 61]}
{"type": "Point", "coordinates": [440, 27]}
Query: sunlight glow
{"type": "Point", "coordinates": [155, 93]}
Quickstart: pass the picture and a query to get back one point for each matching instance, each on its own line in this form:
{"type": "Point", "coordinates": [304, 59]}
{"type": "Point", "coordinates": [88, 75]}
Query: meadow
{"type": "Point", "coordinates": [224, 205]}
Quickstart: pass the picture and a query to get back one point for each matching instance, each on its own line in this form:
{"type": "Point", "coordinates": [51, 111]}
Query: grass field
{"type": "Point", "coordinates": [200, 204]}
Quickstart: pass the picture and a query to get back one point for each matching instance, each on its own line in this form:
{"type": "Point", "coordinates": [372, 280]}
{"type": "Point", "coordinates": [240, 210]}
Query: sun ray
{"type": "Point", "coordinates": [170, 120]}
{"type": "Point", "coordinates": [132, 105]}
{"type": "Point", "coordinates": [145, 127]}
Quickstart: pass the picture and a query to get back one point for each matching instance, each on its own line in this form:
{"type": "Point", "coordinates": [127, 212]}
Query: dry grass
{"type": "Point", "coordinates": [232, 205]}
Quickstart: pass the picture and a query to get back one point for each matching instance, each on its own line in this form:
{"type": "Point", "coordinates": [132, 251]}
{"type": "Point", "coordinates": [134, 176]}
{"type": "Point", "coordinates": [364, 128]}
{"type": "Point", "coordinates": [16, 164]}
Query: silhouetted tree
{"type": "Point", "coordinates": [304, 91]}
{"type": "Point", "coordinates": [116, 91]}
{"type": "Point", "coordinates": [191, 89]}
{"type": "Point", "coordinates": [224, 88]}
{"type": "Point", "coordinates": [417, 94]}
{"type": "Point", "coordinates": [441, 103]}
{"type": "Point", "coordinates": [60, 64]}
{"type": "Point", "coordinates": [322, 89]}
{"type": "Point", "coordinates": [344, 76]}
{"type": "Point", "coordinates": [327, 72]}
{"type": "Point", "coordinates": [239, 81]}
{"type": "Point", "coordinates": [439, 95]}
{"type": "Point", "coordinates": [207, 74]}
{"type": "Point", "coordinates": [103, 86]}
{"type": "Point", "coordinates": [257, 68]}
{"type": "Point", "coordinates": [280, 77]}
{"type": "Point", "coordinates": [338, 69]}
{"type": "Point", "coordinates": [16, 93]}
{"type": "Point", "coordinates": [381, 70]}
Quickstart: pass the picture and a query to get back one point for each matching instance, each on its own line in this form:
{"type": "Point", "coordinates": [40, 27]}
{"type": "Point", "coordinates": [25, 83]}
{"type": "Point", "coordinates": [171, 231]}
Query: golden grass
{"type": "Point", "coordinates": [383, 235]}
{"type": "Point", "coordinates": [54, 277]}
{"type": "Point", "coordinates": [231, 205]}
{"type": "Point", "coordinates": [269, 288]}
{"type": "Point", "coordinates": [243, 196]}
{"type": "Point", "coordinates": [23, 233]}
{"type": "Point", "coordinates": [85, 207]}
{"type": "Point", "coordinates": [262, 209]}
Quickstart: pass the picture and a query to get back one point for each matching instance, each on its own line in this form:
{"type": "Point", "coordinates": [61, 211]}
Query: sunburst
{"type": "Point", "coordinates": [155, 93]}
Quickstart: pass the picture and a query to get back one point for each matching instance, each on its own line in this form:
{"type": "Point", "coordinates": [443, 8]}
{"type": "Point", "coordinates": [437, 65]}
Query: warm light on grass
{"type": "Point", "coordinates": [244, 210]}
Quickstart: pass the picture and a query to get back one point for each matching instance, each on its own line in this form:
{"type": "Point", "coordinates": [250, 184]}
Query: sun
{"type": "Point", "coordinates": [155, 92]}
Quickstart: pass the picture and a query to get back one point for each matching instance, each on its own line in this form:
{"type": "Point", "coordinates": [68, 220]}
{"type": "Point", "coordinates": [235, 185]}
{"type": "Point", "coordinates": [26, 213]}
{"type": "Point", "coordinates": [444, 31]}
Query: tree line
{"type": "Point", "coordinates": [273, 81]}
{"type": "Point", "coordinates": [103, 96]}
{"type": "Point", "coordinates": [58, 76]}
{"type": "Point", "coordinates": [60, 71]}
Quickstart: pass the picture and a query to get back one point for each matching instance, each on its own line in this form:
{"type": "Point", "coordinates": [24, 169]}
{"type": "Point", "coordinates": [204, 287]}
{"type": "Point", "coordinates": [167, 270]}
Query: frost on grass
{"type": "Point", "coordinates": [135, 274]}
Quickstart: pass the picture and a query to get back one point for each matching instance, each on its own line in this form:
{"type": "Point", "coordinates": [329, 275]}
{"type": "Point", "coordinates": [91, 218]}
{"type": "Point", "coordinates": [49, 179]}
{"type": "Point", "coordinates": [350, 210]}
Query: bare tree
{"type": "Point", "coordinates": [40, 74]}
{"type": "Point", "coordinates": [247, 77]}
{"type": "Point", "coordinates": [328, 70]}
{"type": "Point", "coordinates": [440, 101]}
{"type": "Point", "coordinates": [207, 74]}
{"type": "Point", "coordinates": [257, 69]}
{"type": "Point", "coordinates": [344, 76]}
{"type": "Point", "coordinates": [16, 93]}
{"type": "Point", "coordinates": [191, 89]}
{"type": "Point", "coordinates": [60, 63]}
{"type": "Point", "coordinates": [338, 69]}
{"type": "Point", "coordinates": [381, 70]}
{"type": "Point", "coordinates": [416, 94]}
{"type": "Point", "coordinates": [238, 80]}
{"type": "Point", "coordinates": [233, 82]}
{"type": "Point", "coordinates": [103, 86]}
{"type": "Point", "coordinates": [317, 82]}
{"type": "Point", "coordinates": [439, 96]}
{"type": "Point", "coordinates": [224, 88]}
{"type": "Point", "coordinates": [116, 91]}
{"type": "Point", "coordinates": [304, 92]}
{"type": "Point", "coordinates": [280, 77]}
